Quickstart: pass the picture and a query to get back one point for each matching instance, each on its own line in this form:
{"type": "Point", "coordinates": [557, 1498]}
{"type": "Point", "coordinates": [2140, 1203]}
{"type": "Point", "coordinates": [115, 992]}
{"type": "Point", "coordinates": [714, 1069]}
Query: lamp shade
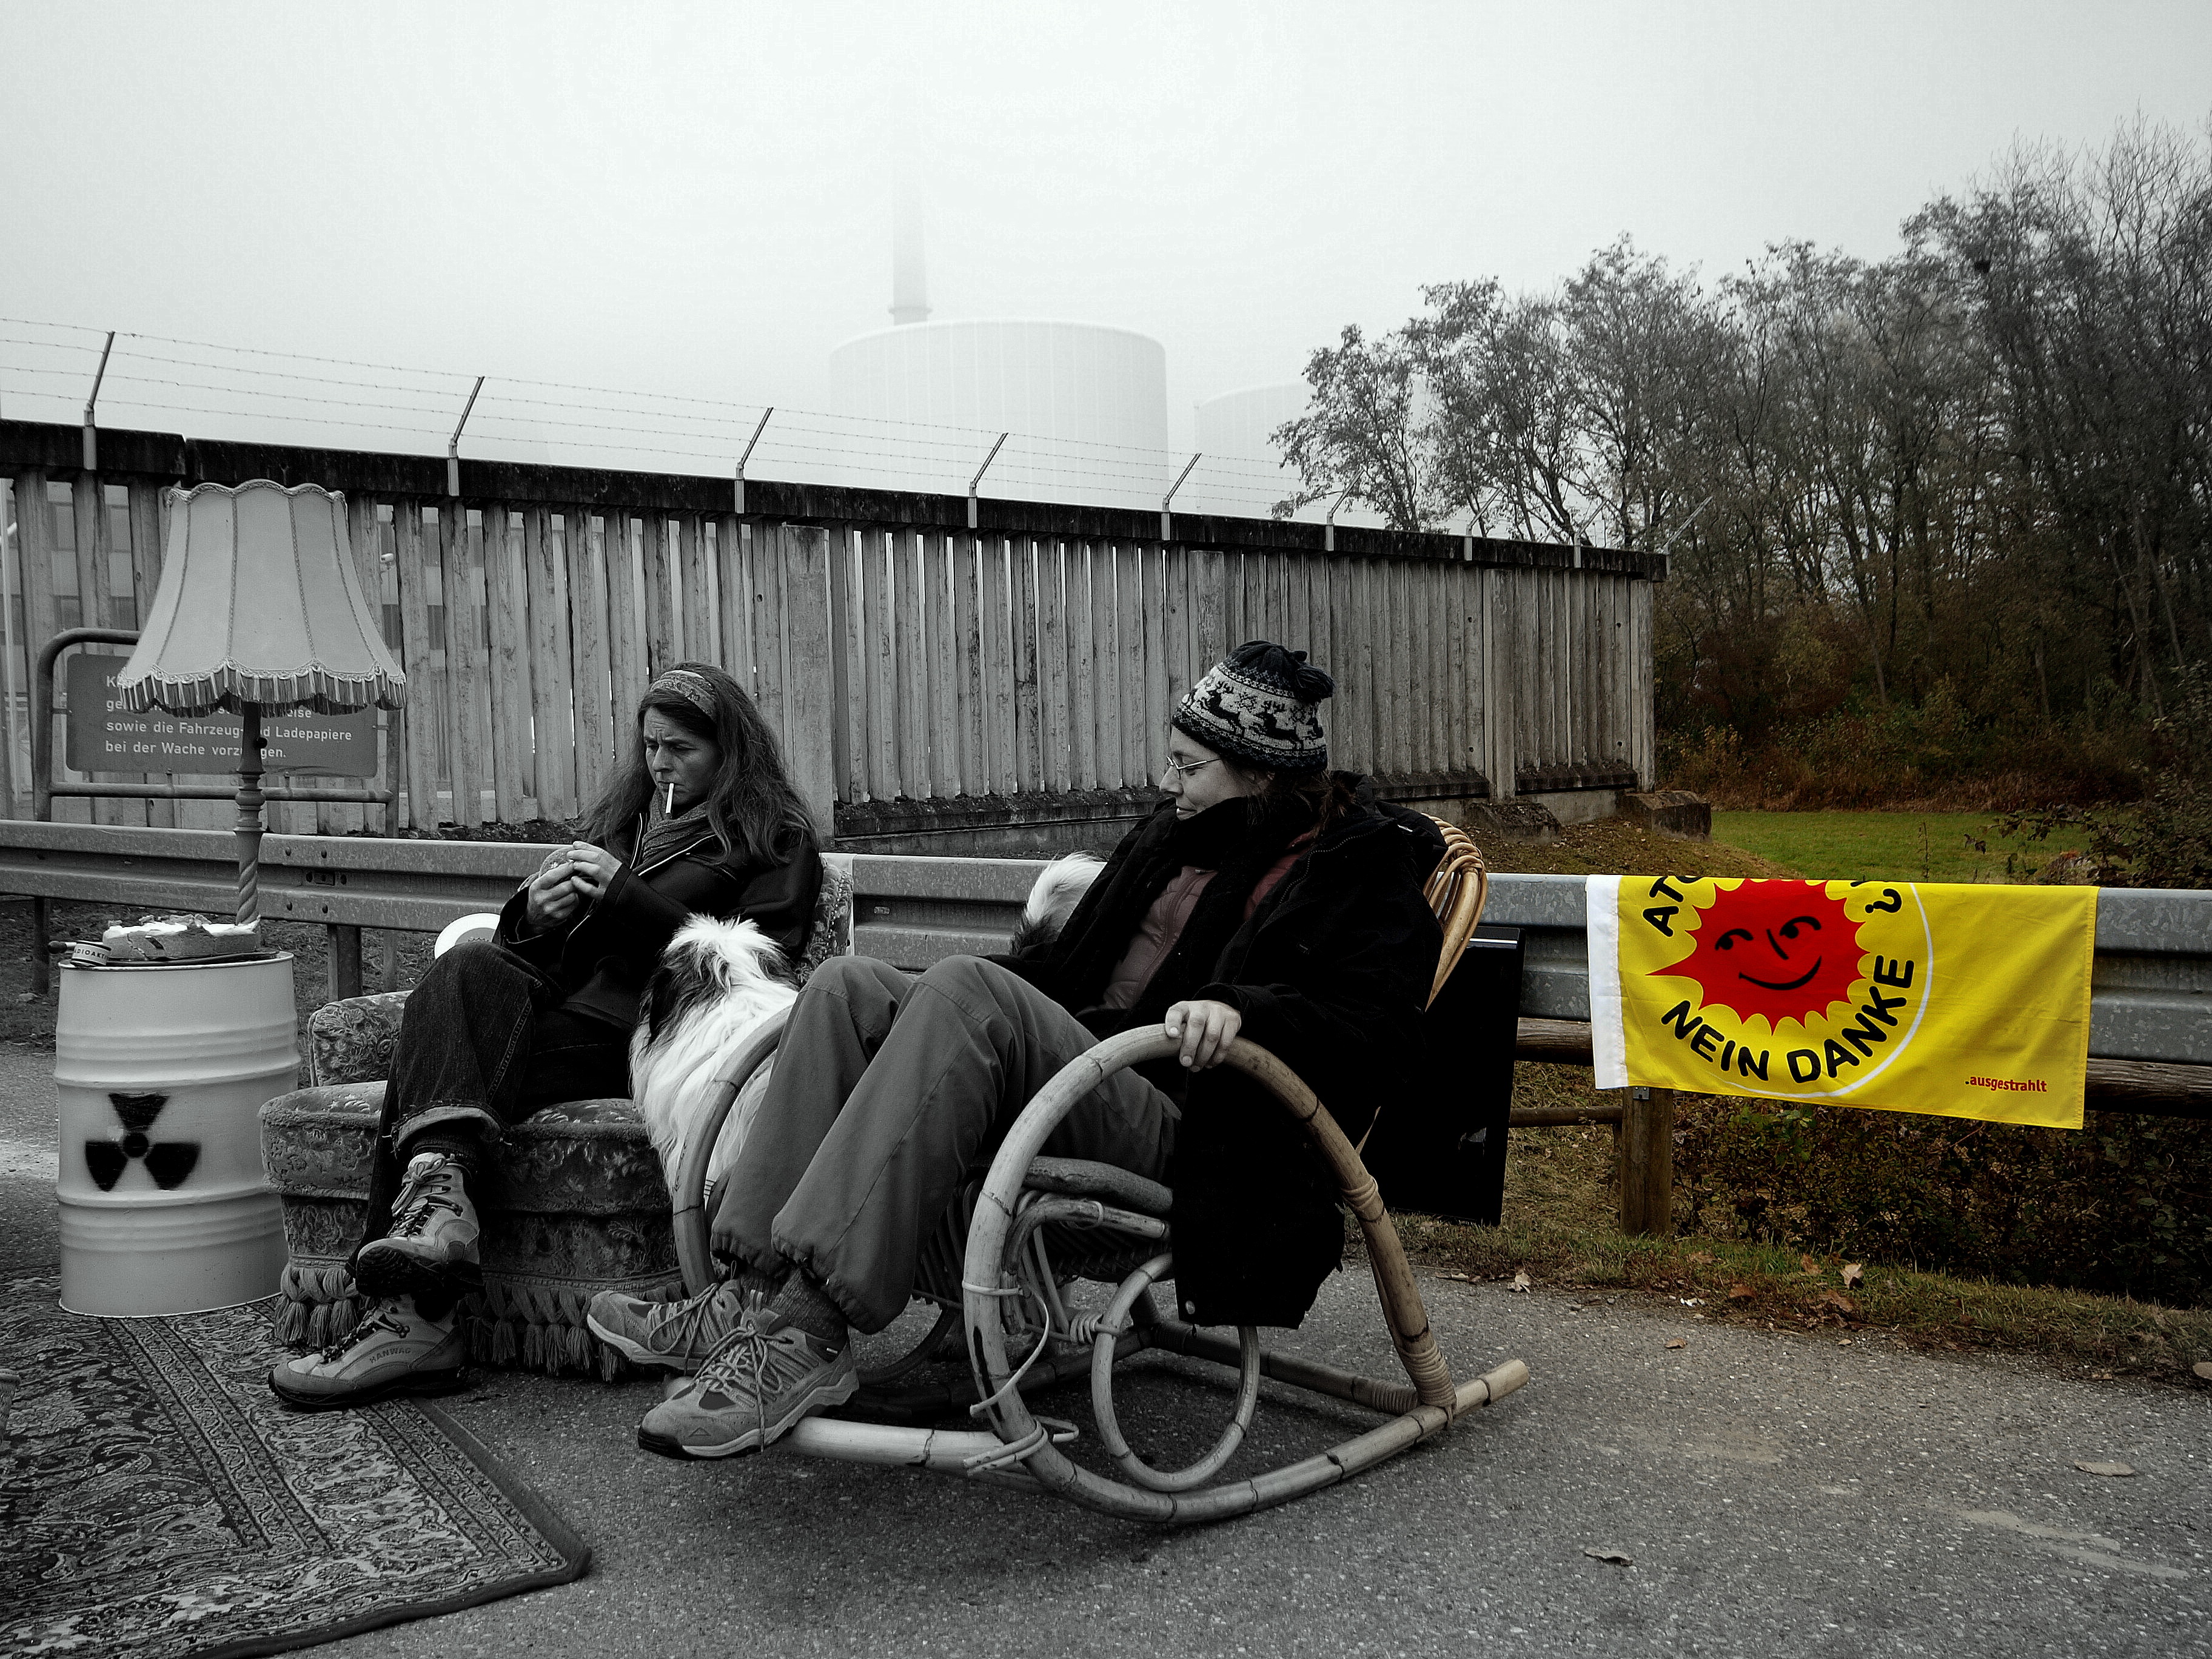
{"type": "Point", "coordinates": [258, 607]}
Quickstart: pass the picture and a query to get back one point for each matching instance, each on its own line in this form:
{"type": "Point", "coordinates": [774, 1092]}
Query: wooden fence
{"type": "Point", "coordinates": [900, 656]}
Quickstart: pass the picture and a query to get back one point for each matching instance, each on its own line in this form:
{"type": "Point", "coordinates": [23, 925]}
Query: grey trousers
{"type": "Point", "coordinates": [888, 1090]}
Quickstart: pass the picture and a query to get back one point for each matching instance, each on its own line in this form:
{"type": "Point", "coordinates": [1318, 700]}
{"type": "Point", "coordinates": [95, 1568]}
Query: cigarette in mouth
{"type": "Point", "coordinates": [671, 808]}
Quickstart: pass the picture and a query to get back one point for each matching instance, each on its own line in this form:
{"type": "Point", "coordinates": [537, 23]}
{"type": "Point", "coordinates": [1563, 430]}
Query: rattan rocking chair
{"type": "Point", "coordinates": [999, 1265]}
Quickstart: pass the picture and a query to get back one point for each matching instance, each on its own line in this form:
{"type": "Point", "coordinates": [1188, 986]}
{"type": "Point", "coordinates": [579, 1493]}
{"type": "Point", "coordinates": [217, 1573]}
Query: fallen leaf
{"type": "Point", "coordinates": [1853, 1271]}
{"type": "Point", "coordinates": [1839, 1301]}
{"type": "Point", "coordinates": [1520, 1279]}
{"type": "Point", "coordinates": [2106, 1468]}
{"type": "Point", "coordinates": [1808, 1264]}
{"type": "Point", "coordinates": [1619, 1558]}
{"type": "Point", "coordinates": [2203, 1369]}
{"type": "Point", "coordinates": [1740, 1293]}
{"type": "Point", "coordinates": [1678, 1342]}
{"type": "Point", "coordinates": [1464, 1278]}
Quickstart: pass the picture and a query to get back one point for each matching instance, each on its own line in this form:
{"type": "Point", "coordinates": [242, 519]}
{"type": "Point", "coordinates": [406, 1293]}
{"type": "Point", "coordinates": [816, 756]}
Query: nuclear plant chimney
{"type": "Point", "coordinates": [909, 283]}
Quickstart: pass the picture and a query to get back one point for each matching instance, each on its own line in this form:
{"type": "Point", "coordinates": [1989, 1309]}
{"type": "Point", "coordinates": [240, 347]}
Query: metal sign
{"type": "Point", "coordinates": [106, 737]}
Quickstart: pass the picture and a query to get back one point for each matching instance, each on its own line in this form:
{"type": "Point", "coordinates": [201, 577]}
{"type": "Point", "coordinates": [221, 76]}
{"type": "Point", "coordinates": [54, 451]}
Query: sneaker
{"type": "Point", "coordinates": [431, 1245]}
{"type": "Point", "coordinates": [393, 1351]}
{"type": "Point", "coordinates": [678, 1335]}
{"type": "Point", "coordinates": [762, 1378]}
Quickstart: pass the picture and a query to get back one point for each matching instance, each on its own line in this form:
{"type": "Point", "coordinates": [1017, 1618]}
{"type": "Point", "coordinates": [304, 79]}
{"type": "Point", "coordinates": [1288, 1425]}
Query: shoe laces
{"type": "Point", "coordinates": [754, 1361]}
{"type": "Point", "coordinates": [383, 1319]}
{"type": "Point", "coordinates": [683, 1321]}
{"type": "Point", "coordinates": [419, 1204]}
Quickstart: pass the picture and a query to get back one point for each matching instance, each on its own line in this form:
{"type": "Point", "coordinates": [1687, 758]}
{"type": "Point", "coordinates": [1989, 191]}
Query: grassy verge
{"type": "Point", "coordinates": [1897, 846]}
{"type": "Point", "coordinates": [1729, 1282]}
{"type": "Point", "coordinates": [1558, 1227]}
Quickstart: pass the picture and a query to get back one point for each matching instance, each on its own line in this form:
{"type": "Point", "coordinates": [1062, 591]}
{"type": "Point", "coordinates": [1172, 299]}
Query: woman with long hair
{"type": "Point", "coordinates": [701, 821]}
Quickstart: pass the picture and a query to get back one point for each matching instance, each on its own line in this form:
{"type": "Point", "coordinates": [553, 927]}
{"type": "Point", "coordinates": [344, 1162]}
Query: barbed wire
{"type": "Point", "coordinates": [248, 351]}
{"type": "Point", "coordinates": [942, 455]}
{"type": "Point", "coordinates": [266, 414]}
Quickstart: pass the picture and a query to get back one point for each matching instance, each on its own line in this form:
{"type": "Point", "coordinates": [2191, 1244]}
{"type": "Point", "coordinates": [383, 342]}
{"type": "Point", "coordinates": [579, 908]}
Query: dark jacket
{"type": "Point", "coordinates": [603, 958]}
{"type": "Point", "coordinates": [1330, 974]}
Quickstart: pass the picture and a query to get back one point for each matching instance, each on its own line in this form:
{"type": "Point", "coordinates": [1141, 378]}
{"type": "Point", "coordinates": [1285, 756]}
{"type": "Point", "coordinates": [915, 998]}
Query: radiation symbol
{"type": "Point", "coordinates": [167, 1161]}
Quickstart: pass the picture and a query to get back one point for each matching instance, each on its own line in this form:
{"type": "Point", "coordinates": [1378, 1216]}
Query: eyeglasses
{"type": "Point", "coordinates": [1184, 768]}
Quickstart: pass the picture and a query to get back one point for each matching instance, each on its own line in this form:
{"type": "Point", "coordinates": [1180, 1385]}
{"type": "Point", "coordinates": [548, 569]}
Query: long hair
{"type": "Point", "coordinates": [1324, 795]}
{"type": "Point", "coordinates": [750, 805]}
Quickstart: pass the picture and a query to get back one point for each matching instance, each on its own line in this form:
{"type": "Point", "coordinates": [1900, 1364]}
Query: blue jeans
{"type": "Point", "coordinates": [483, 1042]}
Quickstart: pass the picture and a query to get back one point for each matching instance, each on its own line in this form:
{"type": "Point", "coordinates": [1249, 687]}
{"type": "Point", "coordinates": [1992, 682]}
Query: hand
{"type": "Point", "coordinates": [553, 896]}
{"type": "Point", "coordinates": [1206, 1029]}
{"type": "Point", "coordinates": [593, 868]}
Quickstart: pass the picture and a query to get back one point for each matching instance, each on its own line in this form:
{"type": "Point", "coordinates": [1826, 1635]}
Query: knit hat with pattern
{"type": "Point", "coordinates": [1261, 708]}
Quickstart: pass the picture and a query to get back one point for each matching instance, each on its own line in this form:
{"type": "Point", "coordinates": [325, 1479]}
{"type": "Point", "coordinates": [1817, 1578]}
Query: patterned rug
{"type": "Point", "coordinates": [156, 1501]}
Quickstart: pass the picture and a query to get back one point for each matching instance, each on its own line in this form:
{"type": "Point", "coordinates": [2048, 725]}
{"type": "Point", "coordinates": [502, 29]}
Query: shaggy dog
{"type": "Point", "coordinates": [1052, 900]}
{"type": "Point", "coordinates": [719, 980]}
{"type": "Point", "coordinates": [716, 982]}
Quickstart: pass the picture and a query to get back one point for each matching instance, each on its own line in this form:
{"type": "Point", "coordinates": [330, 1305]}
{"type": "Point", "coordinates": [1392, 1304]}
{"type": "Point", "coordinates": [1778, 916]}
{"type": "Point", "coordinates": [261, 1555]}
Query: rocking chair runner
{"type": "Point", "coordinates": [1106, 1224]}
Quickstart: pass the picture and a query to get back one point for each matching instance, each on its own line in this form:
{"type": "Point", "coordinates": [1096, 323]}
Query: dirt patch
{"type": "Point", "coordinates": [1615, 847]}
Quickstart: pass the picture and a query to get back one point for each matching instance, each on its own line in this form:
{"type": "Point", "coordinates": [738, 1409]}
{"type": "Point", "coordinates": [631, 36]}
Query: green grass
{"type": "Point", "coordinates": [1883, 846]}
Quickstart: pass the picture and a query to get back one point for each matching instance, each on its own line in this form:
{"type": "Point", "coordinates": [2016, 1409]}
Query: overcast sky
{"type": "Point", "coordinates": [697, 199]}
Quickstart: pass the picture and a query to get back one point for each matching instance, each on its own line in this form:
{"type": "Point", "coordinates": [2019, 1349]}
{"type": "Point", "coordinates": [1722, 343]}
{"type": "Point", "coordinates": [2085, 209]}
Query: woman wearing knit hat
{"type": "Point", "coordinates": [1267, 897]}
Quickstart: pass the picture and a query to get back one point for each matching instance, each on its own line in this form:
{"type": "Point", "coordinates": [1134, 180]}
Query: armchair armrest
{"type": "Point", "coordinates": [350, 1041]}
{"type": "Point", "coordinates": [831, 932]}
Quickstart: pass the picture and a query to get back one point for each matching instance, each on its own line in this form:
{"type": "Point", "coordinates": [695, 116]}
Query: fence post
{"type": "Point", "coordinates": [1501, 599]}
{"type": "Point", "coordinates": [811, 712]}
{"type": "Point", "coordinates": [345, 960]}
{"type": "Point", "coordinates": [1647, 1163]}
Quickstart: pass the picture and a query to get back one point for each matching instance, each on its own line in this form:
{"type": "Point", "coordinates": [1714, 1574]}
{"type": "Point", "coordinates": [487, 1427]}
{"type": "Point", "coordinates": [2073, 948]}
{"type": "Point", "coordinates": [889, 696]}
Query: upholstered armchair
{"type": "Point", "coordinates": [574, 1201]}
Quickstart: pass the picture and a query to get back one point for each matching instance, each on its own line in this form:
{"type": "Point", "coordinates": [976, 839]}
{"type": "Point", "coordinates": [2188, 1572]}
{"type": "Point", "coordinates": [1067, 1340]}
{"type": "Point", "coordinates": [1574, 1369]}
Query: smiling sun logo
{"type": "Point", "coordinates": [1774, 951]}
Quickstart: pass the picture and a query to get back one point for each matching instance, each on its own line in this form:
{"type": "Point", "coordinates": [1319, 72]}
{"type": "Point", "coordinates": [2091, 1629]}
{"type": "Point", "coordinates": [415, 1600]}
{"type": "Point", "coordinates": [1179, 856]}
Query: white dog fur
{"type": "Point", "coordinates": [719, 980]}
{"type": "Point", "coordinates": [716, 982]}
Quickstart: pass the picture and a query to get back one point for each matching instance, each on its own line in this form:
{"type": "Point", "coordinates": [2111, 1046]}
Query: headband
{"type": "Point", "coordinates": [694, 689]}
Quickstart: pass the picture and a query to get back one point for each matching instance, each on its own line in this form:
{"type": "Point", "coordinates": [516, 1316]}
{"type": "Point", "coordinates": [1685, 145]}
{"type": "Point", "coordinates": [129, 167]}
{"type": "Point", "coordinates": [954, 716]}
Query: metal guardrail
{"type": "Point", "coordinates": [2151, 989]}
{"type": "Point", "coordinates": [909, 911]}
{"type": "Point", "coordinates": [2150, 1022]}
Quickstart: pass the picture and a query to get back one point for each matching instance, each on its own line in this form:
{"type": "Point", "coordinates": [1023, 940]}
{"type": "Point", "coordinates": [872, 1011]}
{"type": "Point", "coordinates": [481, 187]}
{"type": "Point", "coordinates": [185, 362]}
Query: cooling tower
{"type": "Point", "coordinates": [1087, 404]}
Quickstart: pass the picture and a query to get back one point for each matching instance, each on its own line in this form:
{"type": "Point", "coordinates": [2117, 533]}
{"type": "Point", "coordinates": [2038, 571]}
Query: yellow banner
{"type": "Point", "coordinates": [1959, 1001]}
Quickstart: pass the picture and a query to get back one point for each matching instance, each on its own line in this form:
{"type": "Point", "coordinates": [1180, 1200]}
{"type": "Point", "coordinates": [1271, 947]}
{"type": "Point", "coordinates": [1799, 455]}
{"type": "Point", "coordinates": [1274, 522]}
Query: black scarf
{"type": "Point", "coordinates": [1226, 839]}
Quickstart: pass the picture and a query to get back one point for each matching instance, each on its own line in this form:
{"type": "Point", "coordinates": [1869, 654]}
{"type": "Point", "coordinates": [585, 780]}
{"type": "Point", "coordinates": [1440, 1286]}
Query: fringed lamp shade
{"type": "Point", "coordinates": [258, 613]}
{"type": "Point", "coordinates": [259, 606]}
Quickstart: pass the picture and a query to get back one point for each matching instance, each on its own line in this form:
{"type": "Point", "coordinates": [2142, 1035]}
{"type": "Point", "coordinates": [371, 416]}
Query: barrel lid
{"type": "Point", "coordinates": [250, 959]}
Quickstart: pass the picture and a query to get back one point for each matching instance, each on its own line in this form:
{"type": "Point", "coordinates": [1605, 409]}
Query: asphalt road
{"type": "Point", "coordinates": [1774, 1494]}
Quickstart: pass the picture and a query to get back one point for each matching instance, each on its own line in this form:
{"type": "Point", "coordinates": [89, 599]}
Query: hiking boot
{"type": "Point", "coordinates": [431, 1245]}
{"type": "Point", "coordinates": [678, 1335]}
{"type": "Point", "coordinates": [763, 1377]}
{"type": "Point", "coordinates": [393, 1351]}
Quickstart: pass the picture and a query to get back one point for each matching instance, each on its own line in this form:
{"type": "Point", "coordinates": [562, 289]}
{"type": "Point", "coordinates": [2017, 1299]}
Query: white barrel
{"type": "Point", "coordinates": [162, 1068]}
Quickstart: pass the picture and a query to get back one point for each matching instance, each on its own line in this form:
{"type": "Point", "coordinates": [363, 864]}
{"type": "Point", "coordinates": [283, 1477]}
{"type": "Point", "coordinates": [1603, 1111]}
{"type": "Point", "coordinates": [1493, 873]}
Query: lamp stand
{"type": "Point", "coordinates": [248, 828]}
